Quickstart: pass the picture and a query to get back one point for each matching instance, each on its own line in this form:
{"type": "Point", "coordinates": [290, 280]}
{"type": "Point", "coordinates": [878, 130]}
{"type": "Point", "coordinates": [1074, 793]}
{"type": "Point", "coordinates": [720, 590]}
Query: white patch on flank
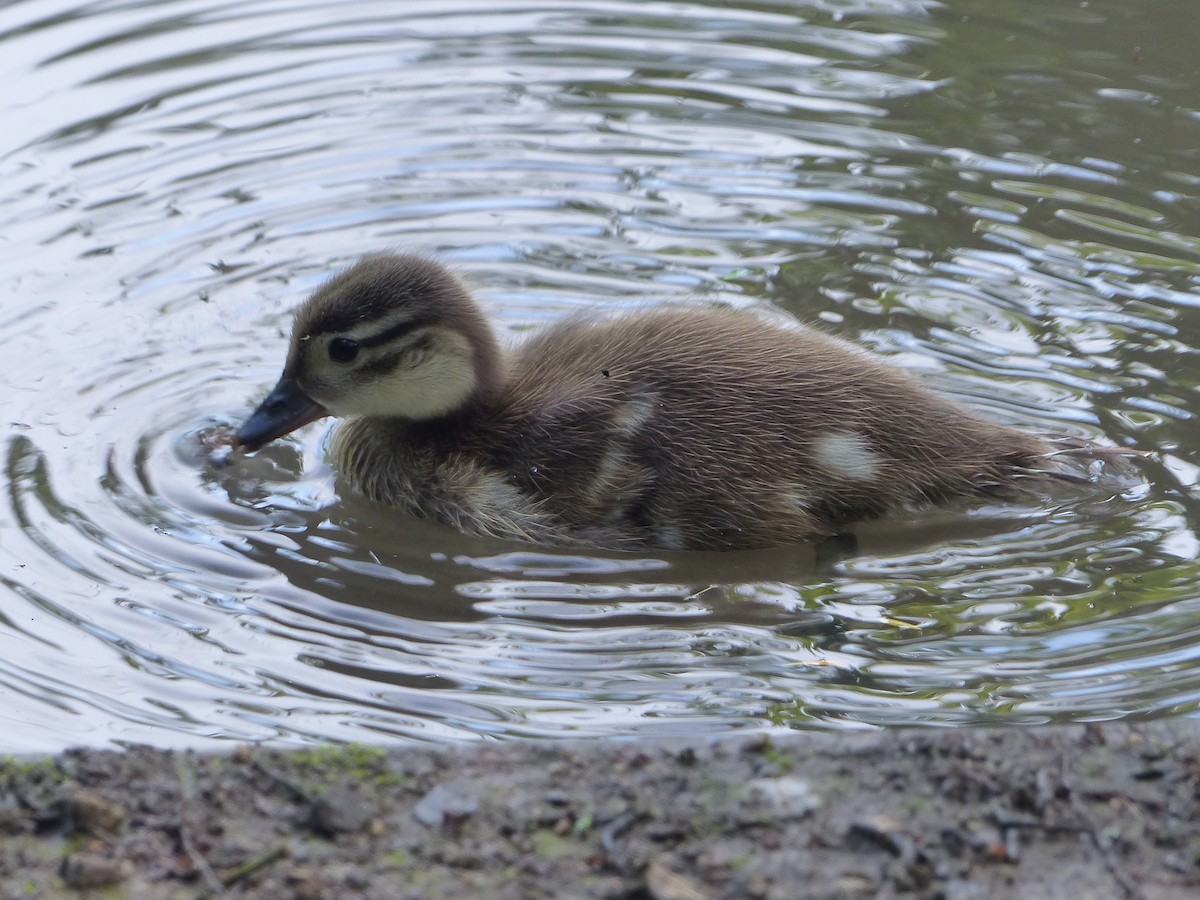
{"type": "Point", "coordinates": [800, 500]}
{"type": "Point", "coordinates": [630, 416]}
{"type": "Point", "coordinates": [489, 493]}
{"type": "Point", "coordinates": [609, 467]}
{"type": "Point", "coordinates": [670, 537]}
{"type": "Point", "coordinates": [846, 453]}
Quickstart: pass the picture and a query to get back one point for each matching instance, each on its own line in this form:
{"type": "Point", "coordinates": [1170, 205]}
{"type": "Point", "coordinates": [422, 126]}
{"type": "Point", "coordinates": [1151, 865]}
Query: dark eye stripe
{"type": "Point", "coordinates": [394, 332]}
{"type": "Point", "coordinates": [381, 364]}
{"type": "Point", "coordinates": [408, 355]}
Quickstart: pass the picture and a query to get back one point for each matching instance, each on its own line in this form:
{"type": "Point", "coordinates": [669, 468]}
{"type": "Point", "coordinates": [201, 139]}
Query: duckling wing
{"type": "Point", "coordinates": [654, 427]}
{"type": "Point", "coordinates": [703, 429]}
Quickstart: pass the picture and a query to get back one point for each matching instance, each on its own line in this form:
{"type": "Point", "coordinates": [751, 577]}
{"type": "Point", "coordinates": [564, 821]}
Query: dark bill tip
{"type": "Point", "coordinates": [284, 410]}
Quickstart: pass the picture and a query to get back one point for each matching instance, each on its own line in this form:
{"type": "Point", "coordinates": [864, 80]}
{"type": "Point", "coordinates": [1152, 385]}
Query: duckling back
{"type": "Point", "coordinates": [696, 429]}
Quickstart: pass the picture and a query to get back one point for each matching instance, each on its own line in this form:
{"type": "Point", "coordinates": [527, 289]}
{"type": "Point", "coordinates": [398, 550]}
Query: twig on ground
{"type": "Point", "coordinates": [211, 882]}
{"type": "Point", "coordinates": [1104, 846]}
{"type": "Point", "coordinates": [272, 856]}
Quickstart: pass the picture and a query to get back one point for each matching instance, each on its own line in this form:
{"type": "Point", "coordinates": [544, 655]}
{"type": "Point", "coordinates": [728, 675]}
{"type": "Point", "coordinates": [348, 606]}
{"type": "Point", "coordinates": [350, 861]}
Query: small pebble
{"type": "Point", "coordinates": [91, 870]}
{"type": "Point", "coordinates": [94, 813]}
{"type": "Point", "coordinates": [788, 796]}
{"type": "Point", "coordinates": [445, 802]}
{"type": "Point", "coordinates": [339, 811]}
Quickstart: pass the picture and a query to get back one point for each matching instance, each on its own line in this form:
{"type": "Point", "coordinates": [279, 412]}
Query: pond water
{"type": "Point", "coordinates": [1003, 197]}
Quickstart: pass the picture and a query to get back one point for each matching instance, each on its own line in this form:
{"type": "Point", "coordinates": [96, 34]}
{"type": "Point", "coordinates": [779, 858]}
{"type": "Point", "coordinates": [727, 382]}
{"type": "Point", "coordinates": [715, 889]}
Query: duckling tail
{"type": "Point", "coordinates": [1082, 462]}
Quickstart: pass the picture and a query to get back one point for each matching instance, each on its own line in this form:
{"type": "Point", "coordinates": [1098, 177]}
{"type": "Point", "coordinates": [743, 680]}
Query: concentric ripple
{"type": "Point", "coordinates": [1000, 196]}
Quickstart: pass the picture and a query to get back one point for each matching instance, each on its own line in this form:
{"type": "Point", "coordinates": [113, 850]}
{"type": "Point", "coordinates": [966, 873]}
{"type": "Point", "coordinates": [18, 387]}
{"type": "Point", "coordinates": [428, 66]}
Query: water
{"type": "Point", "coordinates": [1000, 196]}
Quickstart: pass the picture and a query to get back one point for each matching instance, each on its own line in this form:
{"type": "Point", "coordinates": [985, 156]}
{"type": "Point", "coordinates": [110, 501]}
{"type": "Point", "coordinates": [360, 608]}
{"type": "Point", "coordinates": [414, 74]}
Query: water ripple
{"type": "Point", "coordinates": [1015, 221]}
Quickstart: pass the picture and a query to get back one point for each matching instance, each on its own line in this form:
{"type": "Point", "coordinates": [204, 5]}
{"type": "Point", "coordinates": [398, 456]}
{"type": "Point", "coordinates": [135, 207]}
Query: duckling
{"type": "Point", "coordinates": [681, 429]}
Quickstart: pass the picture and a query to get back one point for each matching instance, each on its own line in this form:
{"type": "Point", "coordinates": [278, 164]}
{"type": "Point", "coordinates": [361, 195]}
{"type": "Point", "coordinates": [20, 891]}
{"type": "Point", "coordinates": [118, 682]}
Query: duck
{"type": "Point", "coordinates": [675, 428]}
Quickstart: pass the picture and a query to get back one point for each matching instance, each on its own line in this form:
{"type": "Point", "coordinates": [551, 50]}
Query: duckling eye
{"type": "Point", "coordinates": [343, 350]}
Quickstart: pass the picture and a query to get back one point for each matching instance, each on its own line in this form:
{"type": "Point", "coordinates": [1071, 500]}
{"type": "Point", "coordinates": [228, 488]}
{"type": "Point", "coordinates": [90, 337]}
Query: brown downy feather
{"type": "Point", "coordinates": [677, 428]}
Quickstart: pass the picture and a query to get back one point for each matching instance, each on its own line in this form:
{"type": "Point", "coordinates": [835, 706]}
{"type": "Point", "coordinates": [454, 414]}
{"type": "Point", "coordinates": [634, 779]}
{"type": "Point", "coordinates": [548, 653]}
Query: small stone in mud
{"type": "Point", "coordinates": [93, 813]}
{"type": "Point", "coordinates": [885, 832]}
{"type": "Point", "coordinates": [339, 810]}
{"type": "Point", "coordinates": [305, 882]}
{"type": "Point", "coordinates": [91, 870]}
{"type": "Point", "coordinates": [445, 803]}
{"type": "Point", "coordinates": [664, 884]}
{"type": "Point", "coordinates": [788, 797]}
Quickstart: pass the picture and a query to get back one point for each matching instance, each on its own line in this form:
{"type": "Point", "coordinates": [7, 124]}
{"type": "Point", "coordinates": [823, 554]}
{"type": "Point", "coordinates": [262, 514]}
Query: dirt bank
{"type": "Point", "coordinates": [1103, 811]}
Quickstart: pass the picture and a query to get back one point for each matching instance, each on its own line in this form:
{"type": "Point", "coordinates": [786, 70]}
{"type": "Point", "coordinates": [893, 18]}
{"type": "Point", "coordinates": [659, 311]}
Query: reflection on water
{"type": "Point", "coordinates": [1000, 197]}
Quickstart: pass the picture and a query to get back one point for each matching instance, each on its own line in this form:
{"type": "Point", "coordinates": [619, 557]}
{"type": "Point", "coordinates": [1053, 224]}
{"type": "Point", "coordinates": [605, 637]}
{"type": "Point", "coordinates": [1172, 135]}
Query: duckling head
{"type": "Point", "coordinates": [393, 336]}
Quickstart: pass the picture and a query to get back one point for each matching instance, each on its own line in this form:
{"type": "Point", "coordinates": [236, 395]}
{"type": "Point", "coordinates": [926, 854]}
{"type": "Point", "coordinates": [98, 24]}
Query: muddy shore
{"type": "Point", "coordinates": [1099, 811]}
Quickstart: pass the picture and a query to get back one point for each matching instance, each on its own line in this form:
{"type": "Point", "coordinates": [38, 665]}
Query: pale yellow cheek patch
{"type": "Point", "coordinates": [848, 455]}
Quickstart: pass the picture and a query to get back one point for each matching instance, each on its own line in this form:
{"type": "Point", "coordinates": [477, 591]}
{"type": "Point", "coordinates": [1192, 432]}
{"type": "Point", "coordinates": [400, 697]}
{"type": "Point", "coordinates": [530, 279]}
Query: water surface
{"type": "Point", "coordinates": [1002, 197]}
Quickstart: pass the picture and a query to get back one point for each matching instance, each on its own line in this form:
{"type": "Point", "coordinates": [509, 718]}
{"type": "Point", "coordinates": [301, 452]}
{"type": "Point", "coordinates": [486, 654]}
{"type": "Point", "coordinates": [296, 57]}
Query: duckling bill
{"type": "Point", "coordinates": [678, 429]}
